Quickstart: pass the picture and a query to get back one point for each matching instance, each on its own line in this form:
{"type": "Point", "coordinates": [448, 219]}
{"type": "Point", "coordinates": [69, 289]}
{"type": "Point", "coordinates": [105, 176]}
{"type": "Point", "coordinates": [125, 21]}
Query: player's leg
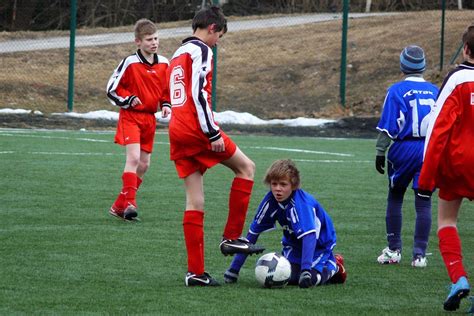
{"type": "Point", "coordinates": [193, 227]}
{"type": "Point", "coordinates": [125, 205]}
{"type": "Point", "coordinates": [422, 231]}
{"type": "Point", "coordinates": [240, 192]}
{"type": "Point", "coordinates": [450, 248]}
{"type": "Point", "coordinates": [393, 225]}
{"type": "Point", "coordinates": [239, 198]}
{"type": "Point", "coordinates": [423, 214]}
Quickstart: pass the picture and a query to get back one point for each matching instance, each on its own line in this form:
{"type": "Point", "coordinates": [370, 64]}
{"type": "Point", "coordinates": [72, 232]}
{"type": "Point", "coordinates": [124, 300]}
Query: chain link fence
{"type": "Point", "coordinates": [276, 65]}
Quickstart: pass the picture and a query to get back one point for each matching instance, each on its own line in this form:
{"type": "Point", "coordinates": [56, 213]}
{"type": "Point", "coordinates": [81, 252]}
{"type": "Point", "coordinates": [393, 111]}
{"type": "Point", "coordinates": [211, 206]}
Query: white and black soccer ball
{"type": "Point", "coordinates": [272, 270]}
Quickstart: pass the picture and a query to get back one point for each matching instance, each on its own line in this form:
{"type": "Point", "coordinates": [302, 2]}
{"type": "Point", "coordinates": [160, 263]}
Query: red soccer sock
{"type": "Point", "coordinates": [450, 248]}
{"type": "Point", "coordinates": [120, 201]}
{"type": "Point", "coordinates": [239, 199]}
{"type": "Point", "coordinates": [129, 180]}
{"type": "Point", "coordinates": [193, 222]}
{"type": "Point", "coordinates": [139, 182]}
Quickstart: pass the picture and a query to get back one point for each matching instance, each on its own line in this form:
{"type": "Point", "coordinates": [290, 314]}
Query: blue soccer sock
{"type": "Point", "coordinates": [422, 225]}
{"type": "Point", "coordinates": [393, 219]}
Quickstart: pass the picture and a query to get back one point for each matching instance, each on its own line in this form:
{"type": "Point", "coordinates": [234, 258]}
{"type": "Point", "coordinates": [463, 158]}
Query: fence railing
{"type": "Point", "coordinates": [272, 66]}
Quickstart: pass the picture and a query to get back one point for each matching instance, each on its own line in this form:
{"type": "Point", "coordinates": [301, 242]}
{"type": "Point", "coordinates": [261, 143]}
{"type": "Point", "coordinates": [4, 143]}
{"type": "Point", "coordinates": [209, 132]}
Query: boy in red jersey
{"type": "Point", "coordinates": [138, 86]}
{"type": "Point", "coordinates": [448, 164]}
{"type": "Point", "coordinates": [197, 143]}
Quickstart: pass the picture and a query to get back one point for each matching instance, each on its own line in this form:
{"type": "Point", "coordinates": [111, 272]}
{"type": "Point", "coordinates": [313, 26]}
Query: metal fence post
{"type": "Point", "coordinates": [72, 44]}
{"type": "Point", "coordinates": [342, 82]}
{"type": "Point", "coordinates": [441, 49]}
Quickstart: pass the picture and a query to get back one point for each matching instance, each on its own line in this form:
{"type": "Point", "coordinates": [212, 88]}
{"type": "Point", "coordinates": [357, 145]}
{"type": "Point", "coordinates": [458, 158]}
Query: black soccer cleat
{"type": "Point", "coordinates": [230, 247]}
{"type": "Point", "coordinates": [130, 213]}
{"type": "Point", "coordinates": [200, 280]}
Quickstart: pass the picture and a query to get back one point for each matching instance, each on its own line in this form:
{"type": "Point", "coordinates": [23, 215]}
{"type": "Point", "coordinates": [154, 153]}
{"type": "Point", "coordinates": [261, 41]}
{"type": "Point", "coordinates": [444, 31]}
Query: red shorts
{"type": "Point", "coordinates": [451, 196]}
{"type": "Point", "coordinates": [204, 160]}
{"type": "Point", "coordinates": [136, 127]}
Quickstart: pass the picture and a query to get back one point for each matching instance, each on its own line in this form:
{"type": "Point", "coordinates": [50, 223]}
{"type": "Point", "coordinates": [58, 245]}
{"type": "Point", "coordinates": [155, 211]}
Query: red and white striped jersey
{"type": "Point", "coordinates": [449, 147]}
{"type": "Point", "coordinates": [136, 77]}
{"type": "Point", "coordinates": [192, 126]}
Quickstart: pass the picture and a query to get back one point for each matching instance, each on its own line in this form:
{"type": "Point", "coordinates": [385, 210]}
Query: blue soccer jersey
{"type": "Point", "coordinates": [302, 215]}
{"type": "Point", "coordinates": [405, 118]}
{"type": "Point", "coordinates": [406, 108]}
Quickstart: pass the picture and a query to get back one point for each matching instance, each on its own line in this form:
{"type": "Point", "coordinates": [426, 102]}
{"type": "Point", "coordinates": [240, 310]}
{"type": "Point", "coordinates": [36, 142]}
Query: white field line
{"type": "Point", "coordinates": [56, 137]}
{"type": "Point", "coordinates": [58, 153]}
{"type": "Point", "coordinates": [303, 151]}
{"type": "Point", "coordinates": [334, 161]}
{"type": "Point", "coordinates": [167, 143]}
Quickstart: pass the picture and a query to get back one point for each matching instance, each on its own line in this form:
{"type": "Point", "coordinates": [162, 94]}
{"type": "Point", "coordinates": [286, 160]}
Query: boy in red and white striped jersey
{"type": "Point", "coordinates": [138, 86]}
{"type": "Point", "coordinates": [197, 144]}
{"type": "Point", "coordinates": [448, 164]}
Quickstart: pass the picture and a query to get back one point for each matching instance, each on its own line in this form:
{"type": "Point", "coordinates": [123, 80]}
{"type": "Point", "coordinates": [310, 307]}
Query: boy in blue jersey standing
{"type": "Point", "coordinates": [308, 232]}
{"type": "Point", "coordinates": [403, 125]}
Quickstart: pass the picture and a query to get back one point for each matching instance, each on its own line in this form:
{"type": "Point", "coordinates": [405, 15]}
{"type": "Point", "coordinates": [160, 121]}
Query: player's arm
{"type": "Point", "coordinates": [117, 92]}
{"type": "Point", "coordinates": [264, 220]}
{"type": "Point", "coordinates": [165, 104]}
{"type": "Point", "coordinates": [383, 142]}
{"type": "Point", "coordinates": [308, 245]}
{"type": "Point", "coordinates": [200, 74]}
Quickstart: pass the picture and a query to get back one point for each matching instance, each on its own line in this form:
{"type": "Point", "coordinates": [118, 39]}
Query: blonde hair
{"type": "Point", "coordinates": [283, 169]}
{"type": "Point", "coordinates": [144, 27]}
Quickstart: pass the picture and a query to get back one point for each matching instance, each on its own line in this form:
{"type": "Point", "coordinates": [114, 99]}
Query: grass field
{"type": "Point", "coordinates": [61, 253]}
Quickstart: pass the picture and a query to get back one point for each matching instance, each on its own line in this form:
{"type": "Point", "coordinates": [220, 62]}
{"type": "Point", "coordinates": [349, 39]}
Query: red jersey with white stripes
{"type": "Point", "coordinates": [136, 77]}
{"type": "Point", "coordinates": [192, 127]}
{"type": "Point", "coordinates": [449, 147]}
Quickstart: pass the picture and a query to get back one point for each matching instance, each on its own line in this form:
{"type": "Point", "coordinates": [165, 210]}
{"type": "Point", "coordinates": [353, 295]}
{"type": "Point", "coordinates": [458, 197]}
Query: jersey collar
{"type": "Point", "coordinates": [145, 61]}
{"type": "Point", "coordinates": [414, 78]}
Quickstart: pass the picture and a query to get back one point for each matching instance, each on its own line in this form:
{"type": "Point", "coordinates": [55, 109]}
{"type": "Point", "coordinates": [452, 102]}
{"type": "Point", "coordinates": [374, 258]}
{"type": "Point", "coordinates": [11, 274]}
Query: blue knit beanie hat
{"type": "Point", "coordinates": [412, 60]}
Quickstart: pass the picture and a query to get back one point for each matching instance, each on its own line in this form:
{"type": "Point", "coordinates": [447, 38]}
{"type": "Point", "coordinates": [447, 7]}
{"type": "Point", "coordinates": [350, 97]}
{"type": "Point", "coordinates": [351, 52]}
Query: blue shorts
{"type": "Point", "coordinates": [405, 159]}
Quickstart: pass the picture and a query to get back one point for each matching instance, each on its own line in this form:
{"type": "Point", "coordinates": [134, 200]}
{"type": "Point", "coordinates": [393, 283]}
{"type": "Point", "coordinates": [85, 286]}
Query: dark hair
{"type": "Point", "coordinates": [209, 16]}
{"type": "Point", "coordinates": [468, 39]}
{"type": "Point", "coordinates": [283, 169]}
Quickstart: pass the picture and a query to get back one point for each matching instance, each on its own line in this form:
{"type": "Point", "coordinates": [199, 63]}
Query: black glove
{"type": "Point", "coordinates": [380, 164]}
{"type": "Point", "coordinates": [305, 279]}
{"type": "Point", "coordinates": [424, 194]}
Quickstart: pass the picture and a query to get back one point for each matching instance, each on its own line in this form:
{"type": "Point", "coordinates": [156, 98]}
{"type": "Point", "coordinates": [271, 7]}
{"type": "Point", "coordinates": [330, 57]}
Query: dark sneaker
{"type": "Point", "coordinates": [230, 276]}
{"type": "Point", "coordinates": [240, 245]}
{"type": "Point", "coordinates": [128, 214]}
{"type": "Point", "coordinates": [459, 290]}
{"type": "Point", "coordinates": [200, 280]}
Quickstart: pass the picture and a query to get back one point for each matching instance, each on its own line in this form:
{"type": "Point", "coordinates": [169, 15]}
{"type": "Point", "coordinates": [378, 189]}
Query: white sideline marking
{"type": "Point", "coordinates": [60, 153]}
{"type": "Point", "coordinates": [331, 161]}
{"type": "Point", "coordinates": [20, 133]}
{"type": "Point", "coordinates": [304, 151]}
{"type": "Point", "coordinates": [57, 137]}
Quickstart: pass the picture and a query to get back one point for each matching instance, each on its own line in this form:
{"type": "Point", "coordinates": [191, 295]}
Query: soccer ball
{"type": "Point", "coordinates": [272, 270]}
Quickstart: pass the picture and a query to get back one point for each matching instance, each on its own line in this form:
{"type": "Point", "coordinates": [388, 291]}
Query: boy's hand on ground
{"type": "Point", "coordinates": [305, 279]}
